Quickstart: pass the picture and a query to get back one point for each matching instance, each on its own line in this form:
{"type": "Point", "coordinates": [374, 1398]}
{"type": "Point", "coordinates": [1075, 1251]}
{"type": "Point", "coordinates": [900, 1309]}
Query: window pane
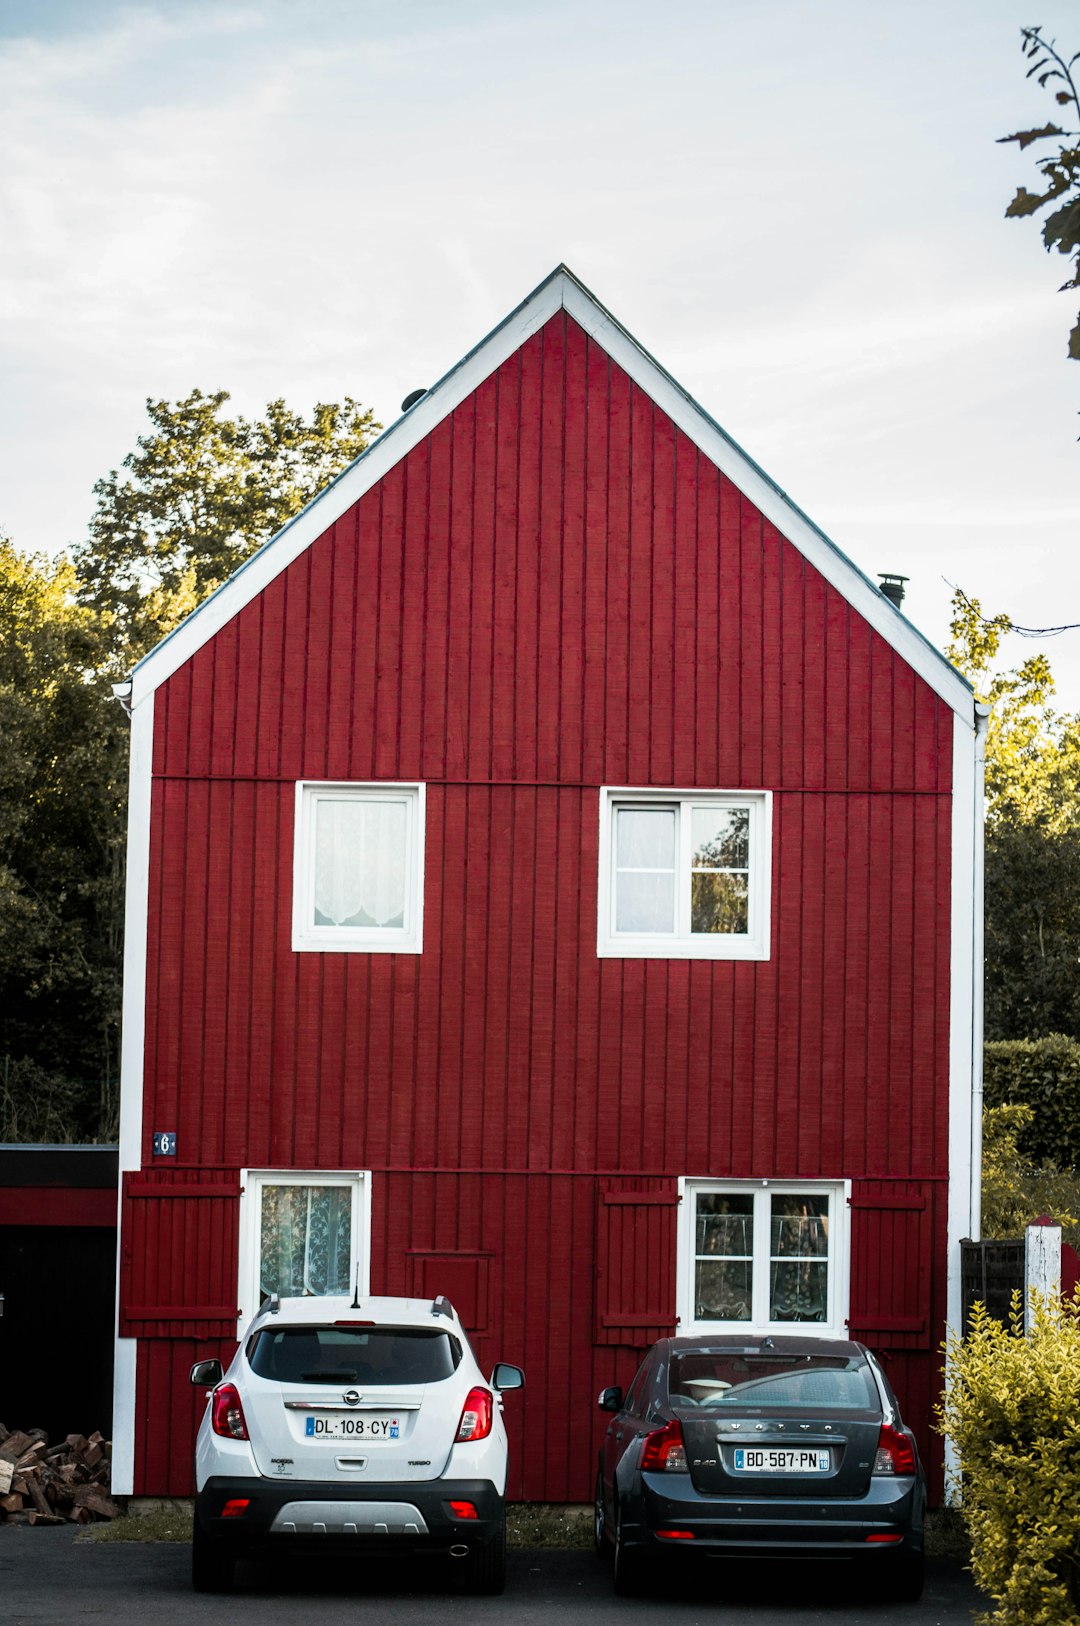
{"type": "Point", "coordinates": [799, 1290]}
{"type": "Point", "coordinates": [719, 903]}
{"type": "Point", "coordinates": [800, 1226]}
{"type": "Point", "coordinates": [725, 1224]}
{"type": "Point", "coordinates": [645, 838]}
{"type": "Point", "coordinates": [721, 837]}
{"type": "Point", "coordinates": [644, 902]}
{"type": "Point", "coordinates": [305, 1240]}
{"type": "Point", "coordinates": [722, 1289]}
{"type": "Point", "coordinates": [360, 862]}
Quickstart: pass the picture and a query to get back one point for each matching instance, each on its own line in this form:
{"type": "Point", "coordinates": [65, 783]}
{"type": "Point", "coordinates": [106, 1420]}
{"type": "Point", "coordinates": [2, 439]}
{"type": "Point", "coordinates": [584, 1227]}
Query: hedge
{"type": "Point", "coordinates": [1012, 1410]}
{"type": "Point", "coordinates": [1043, 1074]}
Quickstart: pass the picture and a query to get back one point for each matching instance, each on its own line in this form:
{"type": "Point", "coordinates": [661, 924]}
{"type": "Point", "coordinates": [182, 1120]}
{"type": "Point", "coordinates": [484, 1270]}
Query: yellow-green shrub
{"type": "Point", "coordinates": [1012, 1409]}
{"type": "Point", "coordinates": [1016, 1189]}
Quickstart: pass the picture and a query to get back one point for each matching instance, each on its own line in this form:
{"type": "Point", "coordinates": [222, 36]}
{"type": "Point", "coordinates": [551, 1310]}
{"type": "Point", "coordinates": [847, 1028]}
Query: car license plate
{"type": "Point", "coordinates": [774, 1460]}
{"type": "Point", "coordinates": [368, 1427]}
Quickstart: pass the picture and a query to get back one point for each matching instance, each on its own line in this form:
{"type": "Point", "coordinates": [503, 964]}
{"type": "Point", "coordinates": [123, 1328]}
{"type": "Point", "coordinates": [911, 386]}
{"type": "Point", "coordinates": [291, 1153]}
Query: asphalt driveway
{"type": "Point", "coordinates": [48, 1577]}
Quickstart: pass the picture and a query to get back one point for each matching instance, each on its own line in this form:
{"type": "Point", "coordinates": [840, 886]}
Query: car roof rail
{"type": "Point", "coordinates": [272, 1305]}
{"type": "Point", "coordinates": [441, 1306]}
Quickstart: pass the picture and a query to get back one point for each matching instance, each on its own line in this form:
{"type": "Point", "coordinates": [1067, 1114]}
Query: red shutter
{"type": "Point", "coordinates": [890, 1269]}
{"type": "Point", "coordinates": [635, 1261]}
{"type": "Point", "coordinates": [178, 1262]}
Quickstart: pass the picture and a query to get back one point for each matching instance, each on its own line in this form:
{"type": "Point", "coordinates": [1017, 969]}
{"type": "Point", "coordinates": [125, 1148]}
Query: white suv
{"type": "Point", "coordinates": [352, 1426]}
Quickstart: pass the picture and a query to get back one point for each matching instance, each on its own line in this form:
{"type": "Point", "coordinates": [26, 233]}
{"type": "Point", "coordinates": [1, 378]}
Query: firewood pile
{"type": "Point", "coordinates": [54, 1484]}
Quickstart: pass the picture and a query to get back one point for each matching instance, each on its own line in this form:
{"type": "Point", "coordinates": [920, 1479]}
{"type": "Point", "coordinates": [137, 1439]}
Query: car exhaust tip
{"type": "Point", "coordinates": [459, 1550]}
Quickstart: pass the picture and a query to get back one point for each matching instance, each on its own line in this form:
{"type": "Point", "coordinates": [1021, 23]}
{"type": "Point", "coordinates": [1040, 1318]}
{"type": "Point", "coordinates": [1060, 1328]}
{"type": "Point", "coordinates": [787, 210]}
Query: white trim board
{"type": "Point", "coordinates": [560, 291]}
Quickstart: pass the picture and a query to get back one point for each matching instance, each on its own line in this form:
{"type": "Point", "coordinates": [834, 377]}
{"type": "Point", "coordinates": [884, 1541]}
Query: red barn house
{"type": "Point", "coordinates": [553, 882]}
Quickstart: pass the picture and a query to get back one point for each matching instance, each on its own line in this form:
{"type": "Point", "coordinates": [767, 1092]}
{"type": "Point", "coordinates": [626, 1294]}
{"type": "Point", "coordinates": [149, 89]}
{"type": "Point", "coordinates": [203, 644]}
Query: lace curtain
{"type": "Point", "coordinates": [305, 1240]}
{"type": "Point", "coordinates": [360, 858]}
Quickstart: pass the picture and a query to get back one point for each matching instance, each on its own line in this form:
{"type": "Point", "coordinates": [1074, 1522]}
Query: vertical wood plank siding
{"type": "Point", "coordinates": [554, 591]}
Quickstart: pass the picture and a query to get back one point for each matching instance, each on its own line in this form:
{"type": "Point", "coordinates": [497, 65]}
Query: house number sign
{"type": "Point", "coordinates": [165, 1143]}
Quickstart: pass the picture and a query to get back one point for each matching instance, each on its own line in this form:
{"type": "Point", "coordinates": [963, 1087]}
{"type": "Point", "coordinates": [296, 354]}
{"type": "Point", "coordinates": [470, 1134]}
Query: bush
{"type": "Point", "coordinates": [1043, 1074]}
{"type": "Point", "coordinates": [1012, 1409]}
{"type": "Point", "coordinates": [1014, 1189]}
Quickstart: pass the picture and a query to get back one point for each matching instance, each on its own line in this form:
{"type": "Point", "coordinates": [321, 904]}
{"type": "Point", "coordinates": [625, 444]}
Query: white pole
{"type": "Point", "coordinates": [1042, 1263]}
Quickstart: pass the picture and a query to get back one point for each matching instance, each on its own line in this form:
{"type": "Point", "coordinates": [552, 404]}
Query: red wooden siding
{"type": "Point", "coordinates": [554, 591]}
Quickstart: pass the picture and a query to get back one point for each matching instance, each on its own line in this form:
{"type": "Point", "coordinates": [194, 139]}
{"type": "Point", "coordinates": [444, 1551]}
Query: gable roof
{"type": "Point", "coordinates": [561, 290]}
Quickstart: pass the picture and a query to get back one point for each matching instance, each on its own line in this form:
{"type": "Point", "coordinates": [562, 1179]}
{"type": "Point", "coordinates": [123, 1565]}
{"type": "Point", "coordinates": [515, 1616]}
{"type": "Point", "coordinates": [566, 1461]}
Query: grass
{"type": "Point", "coordinates": [529, 1524]}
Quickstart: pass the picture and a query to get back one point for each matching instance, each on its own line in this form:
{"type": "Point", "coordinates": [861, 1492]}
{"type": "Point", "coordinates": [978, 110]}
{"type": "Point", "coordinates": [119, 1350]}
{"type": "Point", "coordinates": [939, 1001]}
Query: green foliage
{"type": "Point", "coordinates": [1032, 751]}
{"type": "Point", "coordinates": [1016, 1189]}
{"type": "Point", "coordinates": [1043, 1074]}
{"type": "Point", "coordinates": [1032, 925]}
{"type": "Point", "coordinates": [63, 766]}
{"type": "Point", "coordinates": [1012, 1410]}
{"type": "Point", "coordinates": [200, 493]}
{"type": "Point", "coordinates": [1059, 170]}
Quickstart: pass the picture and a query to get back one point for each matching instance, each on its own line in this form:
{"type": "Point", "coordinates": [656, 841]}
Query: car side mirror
{"type": "Point", "coordinates": [506, 1376]}
{"type": "Point", "coordinates": [610, 1399]}
{"type": "Point", "coordinates": [206, 1374]}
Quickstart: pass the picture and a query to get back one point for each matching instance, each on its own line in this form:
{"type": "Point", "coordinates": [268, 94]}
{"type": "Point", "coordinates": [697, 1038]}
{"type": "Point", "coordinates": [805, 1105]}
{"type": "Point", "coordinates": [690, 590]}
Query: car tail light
{"type": "Point", "coordinates": [236, 1508]}
{"type": "Point", "coordinates": [895, 1452]}
{"type": "Point", "coordinates": [664, 1451]}
{"type": "Point", "coordinates": [227, 1414]}
{"type": "Point", "coordinates": [464, 1510]}
{"type": "Point", "coordinates": [676, 1535]}
{"type": "Point", "coordinates": [890, 1539]}
{"type": "Point", "coordinates": [475, 1416]}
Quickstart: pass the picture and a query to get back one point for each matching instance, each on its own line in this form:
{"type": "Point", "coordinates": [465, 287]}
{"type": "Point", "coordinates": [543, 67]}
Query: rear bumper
{"type": "Point", "coordinates": [374, 1518]}
{"type": "Point", "coordinates": [888, 1519]}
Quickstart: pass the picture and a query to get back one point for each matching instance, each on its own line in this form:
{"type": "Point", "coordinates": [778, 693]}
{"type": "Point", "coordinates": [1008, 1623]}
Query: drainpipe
{"type": "Point", "coordinates": [982, 719]}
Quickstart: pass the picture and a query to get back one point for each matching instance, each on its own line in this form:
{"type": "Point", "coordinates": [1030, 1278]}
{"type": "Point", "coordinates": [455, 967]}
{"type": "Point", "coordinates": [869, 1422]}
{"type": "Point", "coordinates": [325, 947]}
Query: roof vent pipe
{"type": "Point", "coordinates": [893, 586]}
{"type": "Point", "coordinates": [412, 398]}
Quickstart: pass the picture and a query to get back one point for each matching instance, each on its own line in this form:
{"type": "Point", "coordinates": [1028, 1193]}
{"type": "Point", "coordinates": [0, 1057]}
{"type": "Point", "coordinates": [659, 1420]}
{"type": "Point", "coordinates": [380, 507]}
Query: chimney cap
{"type": "Point", "coordinates": [892, 585]}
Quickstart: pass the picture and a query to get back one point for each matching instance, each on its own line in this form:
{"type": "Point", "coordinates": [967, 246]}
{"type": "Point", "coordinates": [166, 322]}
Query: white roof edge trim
{"type": "Point", "coordinates": [560, 290]}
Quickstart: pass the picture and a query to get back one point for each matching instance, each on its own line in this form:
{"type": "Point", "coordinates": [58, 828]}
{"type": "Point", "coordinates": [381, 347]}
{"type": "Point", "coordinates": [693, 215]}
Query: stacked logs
{"type": "Point", "coordinates": [54, 1484]}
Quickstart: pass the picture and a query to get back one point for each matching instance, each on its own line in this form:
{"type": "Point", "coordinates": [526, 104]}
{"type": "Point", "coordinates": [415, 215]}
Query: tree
{"type": "Point", "coordinates": [1060, 169]}
{"type": "Point", "coordinates": [1032, 835]}
{"type": "Point", "coordinates": [1032, 751]}
{"type": "Point", "coordinates": [63, 752]}
{"type": "Point", "coordinates": [199, 494]}
{"type": "Point", "coordinates": [1032, 925]}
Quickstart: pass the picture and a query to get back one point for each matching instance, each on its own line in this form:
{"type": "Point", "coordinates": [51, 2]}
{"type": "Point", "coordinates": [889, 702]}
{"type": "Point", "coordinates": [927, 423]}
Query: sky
{"type": "Point", "coordinates": [796, 205]}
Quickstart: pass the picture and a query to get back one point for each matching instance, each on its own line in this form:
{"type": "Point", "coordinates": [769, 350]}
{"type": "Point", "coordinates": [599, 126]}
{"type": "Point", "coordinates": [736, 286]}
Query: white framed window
{"type": "Point", "coordinates": [358, 869]}
{"type": "Point", "coordinates": [763, 1256]}
{"type": "Point", "coordinates": [303, 1233]}
{"type": "Point", "coordinates": [684, 874]}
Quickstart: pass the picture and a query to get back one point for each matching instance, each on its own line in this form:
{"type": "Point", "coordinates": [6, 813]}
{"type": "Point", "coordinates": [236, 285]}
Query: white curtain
{"type": "Point", "coordinates": [360, 860]}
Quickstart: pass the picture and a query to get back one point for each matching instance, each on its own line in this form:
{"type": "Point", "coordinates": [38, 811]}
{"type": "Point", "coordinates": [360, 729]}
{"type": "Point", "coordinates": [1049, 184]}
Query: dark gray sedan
{"type": "Point", "coordinates": [736, 1446]}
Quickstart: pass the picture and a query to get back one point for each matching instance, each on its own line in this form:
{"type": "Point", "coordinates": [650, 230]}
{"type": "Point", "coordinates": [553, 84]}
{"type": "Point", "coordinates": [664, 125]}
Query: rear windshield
{"type": "Point", "coordinates": [714, 1379]}
{"type": "Point", "coordinates": [367, 1355]}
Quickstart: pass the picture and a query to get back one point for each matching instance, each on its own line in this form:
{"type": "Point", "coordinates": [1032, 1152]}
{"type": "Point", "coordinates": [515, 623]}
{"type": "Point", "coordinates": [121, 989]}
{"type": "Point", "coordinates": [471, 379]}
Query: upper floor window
{"type": "Point", "coordinates": [359, 868]}
{"type": "Point", "coordinates": [684, 874]}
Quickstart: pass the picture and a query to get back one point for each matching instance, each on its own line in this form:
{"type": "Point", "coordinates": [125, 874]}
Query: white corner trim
{"type": "Point", "coordinates": [123, 1440]}
{"type": "Point", "coordinates": [132, 1061]}
{"type": "Point", "coordinates": [561, 290]}
{"type": "Point", "coordinates": [965, 998]}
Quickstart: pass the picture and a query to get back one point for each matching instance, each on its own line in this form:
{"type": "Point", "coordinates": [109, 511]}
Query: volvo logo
{"type": "Point", "coordinates": [351, 1397]}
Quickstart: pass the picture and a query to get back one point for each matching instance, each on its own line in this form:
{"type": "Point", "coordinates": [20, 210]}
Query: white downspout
{"type": "Point", "coordinates": [982, 719]}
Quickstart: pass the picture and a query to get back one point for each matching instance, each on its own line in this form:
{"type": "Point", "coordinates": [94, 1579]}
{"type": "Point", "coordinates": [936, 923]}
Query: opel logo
{"type": "Point", "coordinates": [351, 1397]}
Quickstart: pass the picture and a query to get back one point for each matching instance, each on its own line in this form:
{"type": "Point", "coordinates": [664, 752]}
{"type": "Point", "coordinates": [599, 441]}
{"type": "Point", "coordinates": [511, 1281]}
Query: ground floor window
{"type": "Point", "coordinates": [763, 1255]}
{"type": "Point", "coordinates": [303, 1234]}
